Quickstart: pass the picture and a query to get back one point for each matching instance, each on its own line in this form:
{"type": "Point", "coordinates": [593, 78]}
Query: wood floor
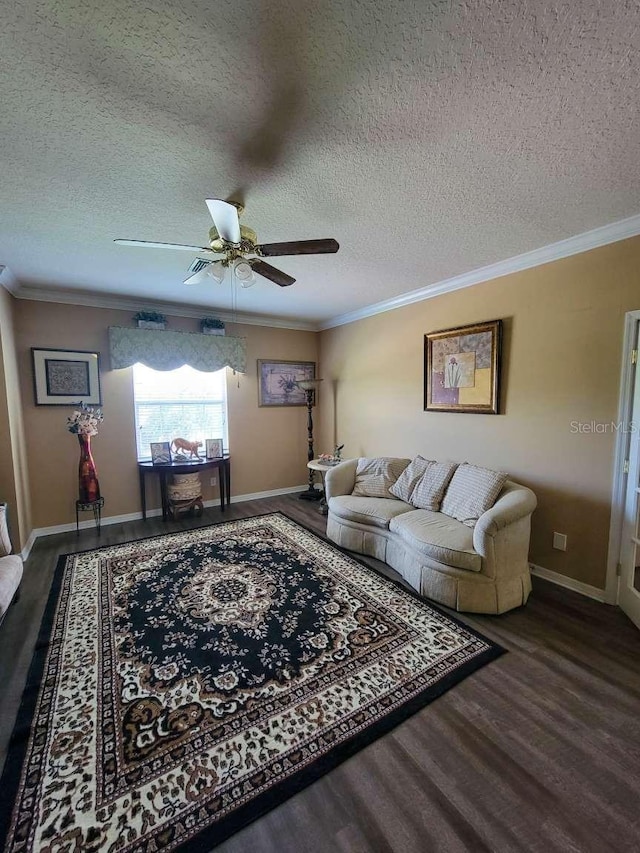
{"type": "Point", "coordinates": [538, 751]}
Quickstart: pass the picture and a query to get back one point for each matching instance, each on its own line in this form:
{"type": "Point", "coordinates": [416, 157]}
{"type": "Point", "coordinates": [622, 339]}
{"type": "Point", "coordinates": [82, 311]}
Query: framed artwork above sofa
{"type": "Point", "coordinates": [462, 369]}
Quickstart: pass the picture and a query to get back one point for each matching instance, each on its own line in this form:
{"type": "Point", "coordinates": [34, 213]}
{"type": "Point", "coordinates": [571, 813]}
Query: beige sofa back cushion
{"type": "Point", "coordinates": [375, 476]}
{"type": "Point", "coordinates": [429, 489]}
{"type": "Point", "coordinates": [471, 492]}
{"type": "Point", "coordinates": [406, 482]}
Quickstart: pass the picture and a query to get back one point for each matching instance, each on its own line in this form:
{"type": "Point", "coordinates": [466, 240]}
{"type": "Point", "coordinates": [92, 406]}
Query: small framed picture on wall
{"type": "Point", "coordinates": [66, 377]}
{"type": "Point", "coordinates": [214, 448]}
{"type": "Point", "coordinates": [160, 452]}
{"type": "Point", "coordinates": [278, 382]}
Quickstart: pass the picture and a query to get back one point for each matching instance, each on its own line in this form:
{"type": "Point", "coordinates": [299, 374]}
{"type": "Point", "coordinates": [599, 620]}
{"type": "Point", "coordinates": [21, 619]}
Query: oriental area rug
{"type": "Point", "coordinates": [185, 684]}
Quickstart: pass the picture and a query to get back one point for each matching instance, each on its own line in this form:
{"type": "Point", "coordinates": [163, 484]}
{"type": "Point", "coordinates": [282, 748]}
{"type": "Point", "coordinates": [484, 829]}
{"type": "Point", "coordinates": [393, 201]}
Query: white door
{"type": "Point", "coordinates": [629, 590]}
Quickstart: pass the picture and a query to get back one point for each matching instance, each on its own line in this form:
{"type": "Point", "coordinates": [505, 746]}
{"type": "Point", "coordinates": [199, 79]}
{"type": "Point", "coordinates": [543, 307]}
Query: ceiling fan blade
{"type": "Point", "coordinates": [225, 218]}
{"type": "Point", "coordinates": [299, 247]}
{"type": "Point", "coordinates": [148, 245]}
{"type": "Point", "coordinates": [266, 270]}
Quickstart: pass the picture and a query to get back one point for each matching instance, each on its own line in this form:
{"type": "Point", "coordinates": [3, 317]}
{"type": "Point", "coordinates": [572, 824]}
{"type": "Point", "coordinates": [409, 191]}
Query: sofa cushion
{"type": "Point", "coordinates": [439, 537]}
{"type": "Point", "coordinates": [471, 492]}
{"type": "Point", "coordinates": [5, 542]}
{"type": "Point", "coordinates": [430, 488]}
{"type": "Point", "coordinates": [376, 511]}
{"type": "Point", "coordinates": [405, 484]}
{"type": "Point", "coordinates": [10, 577]}
{"type": "Point", "coordinates": [374, 476]}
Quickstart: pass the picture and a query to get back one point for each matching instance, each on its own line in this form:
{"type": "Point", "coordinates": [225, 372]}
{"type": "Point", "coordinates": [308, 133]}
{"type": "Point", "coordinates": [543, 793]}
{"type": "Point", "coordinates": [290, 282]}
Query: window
{"type": "Point", "coordinates": [183, 403]}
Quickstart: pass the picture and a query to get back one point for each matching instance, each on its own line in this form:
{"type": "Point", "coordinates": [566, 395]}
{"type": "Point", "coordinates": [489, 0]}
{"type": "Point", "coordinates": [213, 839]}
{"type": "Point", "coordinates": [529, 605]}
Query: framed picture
{"type": "Point", "coordinates": [214, 448]}
{"type": "Point", "coordinates": [160, 452]}
{"type": "Point", "coordinates": [65, 377]}
{"type": "Point", "coordinates": [462, 369]}
{"type": "Point", "coordinates": [277, 382]}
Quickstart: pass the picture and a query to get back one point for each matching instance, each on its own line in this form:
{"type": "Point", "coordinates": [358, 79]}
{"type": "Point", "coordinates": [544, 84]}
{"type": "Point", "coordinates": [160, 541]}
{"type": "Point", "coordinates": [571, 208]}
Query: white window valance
{"type": "Point", "coordinates": [166, 350]}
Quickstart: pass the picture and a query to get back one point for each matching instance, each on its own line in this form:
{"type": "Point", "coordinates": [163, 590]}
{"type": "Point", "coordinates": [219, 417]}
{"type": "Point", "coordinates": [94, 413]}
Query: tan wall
{"type": "Point", "coordinates": [268, 446]}
{"type": "Point", "coordinates": [14, 487]}
{"type": "Point", "coordinates": [561, 358]}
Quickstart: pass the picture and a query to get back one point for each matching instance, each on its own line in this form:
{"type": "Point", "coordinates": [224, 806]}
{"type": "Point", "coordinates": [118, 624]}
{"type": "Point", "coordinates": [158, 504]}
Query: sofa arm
{"type": "Point", "coordinates": [515, 502]}
{"type": "Point", "coordinates": [341, 479]}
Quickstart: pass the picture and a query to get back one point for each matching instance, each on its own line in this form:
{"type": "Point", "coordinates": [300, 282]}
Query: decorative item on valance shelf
{"type": "Point", "coordinates": [168, 350]}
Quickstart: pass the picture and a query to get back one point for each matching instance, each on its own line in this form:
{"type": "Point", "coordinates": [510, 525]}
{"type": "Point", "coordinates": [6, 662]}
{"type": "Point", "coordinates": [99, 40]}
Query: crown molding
{"type": "Point", "coordinates": [8, 280]}
{"type": "Point", "coordinates": [128, 303]}
{"type": "Point", "coordinates": [621, 230]}
{"type": "Point", "coordinates": [612, 233]}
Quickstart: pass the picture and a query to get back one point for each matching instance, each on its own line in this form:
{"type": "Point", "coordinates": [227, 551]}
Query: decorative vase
{"type": "Point", "coordinates": [88, 486]}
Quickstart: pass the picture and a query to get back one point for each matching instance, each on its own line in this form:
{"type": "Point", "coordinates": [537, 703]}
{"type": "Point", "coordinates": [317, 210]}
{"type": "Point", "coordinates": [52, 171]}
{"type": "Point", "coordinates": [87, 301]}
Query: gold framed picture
{"type": "Point", "coordinates": [462, 369]}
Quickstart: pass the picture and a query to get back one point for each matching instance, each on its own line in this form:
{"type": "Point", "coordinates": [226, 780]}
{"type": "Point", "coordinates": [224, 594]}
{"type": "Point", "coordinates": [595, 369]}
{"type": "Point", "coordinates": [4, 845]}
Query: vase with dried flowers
{"type": "Point", "coordinates": [84, 423]}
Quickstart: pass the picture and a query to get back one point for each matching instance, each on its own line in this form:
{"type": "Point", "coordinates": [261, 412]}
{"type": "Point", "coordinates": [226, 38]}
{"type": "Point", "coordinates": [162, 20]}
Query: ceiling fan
{"type": "Point", "coordinates": [237, 243]}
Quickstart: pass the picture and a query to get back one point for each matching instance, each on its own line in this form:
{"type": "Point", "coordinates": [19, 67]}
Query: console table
{"type": "Point", "coordinates": [222, 464]}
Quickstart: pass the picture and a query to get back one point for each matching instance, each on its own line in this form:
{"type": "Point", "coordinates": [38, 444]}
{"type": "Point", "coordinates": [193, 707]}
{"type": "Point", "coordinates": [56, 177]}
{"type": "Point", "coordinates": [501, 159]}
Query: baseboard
{"type": "Point", "coordinates": [273, 493]}
{"type": "Point", "coordinates": [28, 545]}
{"type": "Point", "coordinates": [137, 516]}
{"type": "Point", "coordinates": [569, 583]}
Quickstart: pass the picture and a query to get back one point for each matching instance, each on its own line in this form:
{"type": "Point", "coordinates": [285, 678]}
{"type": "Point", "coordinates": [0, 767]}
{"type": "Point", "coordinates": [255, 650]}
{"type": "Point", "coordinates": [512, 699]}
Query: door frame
{"type": "Point", "coordinates": [623, 440]}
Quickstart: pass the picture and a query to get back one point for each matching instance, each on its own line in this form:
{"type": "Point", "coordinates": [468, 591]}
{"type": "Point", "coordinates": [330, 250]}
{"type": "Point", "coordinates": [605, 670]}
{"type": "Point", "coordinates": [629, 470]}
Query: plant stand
{"type": "Point", "coordinates": [89, 506]}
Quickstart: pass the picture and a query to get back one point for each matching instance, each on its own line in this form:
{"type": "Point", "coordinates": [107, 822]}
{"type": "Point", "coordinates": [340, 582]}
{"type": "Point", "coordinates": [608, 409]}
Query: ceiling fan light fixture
{"type": "Point", "coordinates": [243, 273]}
{"type": "Point", "coordinates": [216, 271]}
{"type": "Point", "coordinates": [198, 277]}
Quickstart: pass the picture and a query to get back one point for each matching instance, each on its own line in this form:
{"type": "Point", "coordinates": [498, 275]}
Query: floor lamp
{"type": "Point", "coordinates": [309, 387]}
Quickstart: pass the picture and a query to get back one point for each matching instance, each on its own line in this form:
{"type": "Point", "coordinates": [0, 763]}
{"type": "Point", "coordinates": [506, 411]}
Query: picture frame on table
{"type": "Point", "coordinates": [160, 452]}
{"type": "Point", "coordinates": [213, 448]}
{"type": "Point", "coordinates": [66, 377]}
{"type": "Point", "coordinates": [277, 382]}
{"type": "Point", "coordinates": [462, 369]}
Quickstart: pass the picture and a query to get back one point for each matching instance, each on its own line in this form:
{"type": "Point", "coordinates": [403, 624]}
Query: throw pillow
{"type": "Point", "coordinates": [374, 476]}
{"type": "Point", "coordinates": [405, 484]}
{"type": "Point", "coordinates": [429, 489]}
{"type": "Point", "coordinates": [471, 492]}
{"type": "Point", "coordinates": [5, 542]}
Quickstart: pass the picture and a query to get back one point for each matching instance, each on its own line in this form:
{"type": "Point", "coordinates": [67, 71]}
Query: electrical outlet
{"type": "Point", "coordinates": [213, 481]}
{"type": "Point", "coordinates": [560, 541]}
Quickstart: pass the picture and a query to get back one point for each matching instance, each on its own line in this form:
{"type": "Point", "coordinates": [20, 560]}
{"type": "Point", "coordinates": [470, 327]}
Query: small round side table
{"type": "Point", "coordinates": [89, 506]}
{"type": "Point", "coordinates": [322, 467]}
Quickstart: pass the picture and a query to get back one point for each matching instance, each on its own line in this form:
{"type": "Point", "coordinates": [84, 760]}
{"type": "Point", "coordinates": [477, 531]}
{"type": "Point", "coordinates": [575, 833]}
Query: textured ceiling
{"type": "Point", "coordinates": [428, 138]}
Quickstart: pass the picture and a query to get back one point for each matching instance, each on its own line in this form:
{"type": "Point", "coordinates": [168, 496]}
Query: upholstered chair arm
{"type": "Point", "coordinates": [341, 479]}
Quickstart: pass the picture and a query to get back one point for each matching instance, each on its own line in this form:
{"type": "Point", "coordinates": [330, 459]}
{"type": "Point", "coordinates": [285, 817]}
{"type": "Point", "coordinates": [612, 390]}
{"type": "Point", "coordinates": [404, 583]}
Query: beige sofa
{"type": "Point", "coordinates": [10, 567]}
{"type": "Point", "coordinates": [480, 569]}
